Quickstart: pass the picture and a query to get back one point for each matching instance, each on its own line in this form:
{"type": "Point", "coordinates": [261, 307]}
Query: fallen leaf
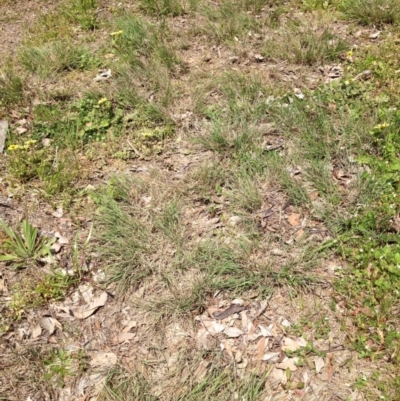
{"type": "Point", "coordinates": [294, 219]}
{"type": "Point", "coordinates": [330, 368]}
{"type": "Point", "coordinates": [46, 142]}
{"type": "Point", "coordinates": [21, 130]}
{"type": "Point", "coordinates": [84, 311]}
{"type": "Point", "coordinates": [129, 325]}
{"type": "Point", "coordinates": [83, 398]}
{"type": "Point", "coordinates": [225, 344]}
{"type": "Point", "coordinates": [61, 239]}
{"type": "Point", "coordinates": [201, 371]}
{"type": "Point", "coordinates": [245, 320]}
{"type": "Point", "coordinates": [3, 134]}
{"type": "Point", "coordinates": [271, 357]}
{"type": "Point", "coordinates": [261, 347]}
{"type": "Point", "coordinates": [104, 359]}
{"type": "Point", "coordinates": [234, 308]}
{"type": "Point", "coordinates": [3, 287]}
{"type": "Point", "coordinates": [103, 75]}
{"type": "Point", "coordinates": [218, 328]}
{"type": "Point", "coordinates": [233, 332]}
{"type": "Point", "coordinates": [36, 331]}
{"type": "Point", "coordinates": [374, 35]}
{"type": "Point", "coordinates": [301, 342]}
{"type": "Point", "coordinates": [123, 337]}
{"type": "Point", "coordinates": [266, 331]}
{"type": "Point", "coordinates": [55, 248]}
{"type": "Point", "coordinates": [52, 340]}
{"type": "Point", "coordinates": [313, 195]}
{"type": "Point", "coordinates": [276, 376]}
{"type": "Point", "coordinates": [289, 345]}
{"type": "Point", "coordinates": [319, 364]}
{"type": "Point", "coordinates": [58, 213]}
{"type": "Point", "coordinates": [49, 324]}
{"type": "Point", "coordinates": [288, 363]}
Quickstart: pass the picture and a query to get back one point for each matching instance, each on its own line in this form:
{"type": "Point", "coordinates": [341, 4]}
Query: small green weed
{"type": "Point", "coordinates": [38, 291]}
{"type": "Point", "coordinates": [62, 365]}
{"type": "Point", "coordinates": [49, 27]}
{"type": "Point", "coordinates": [21, 250]}
{"type": "Point", "coordinates": [86, 120]}
{"type": "Point", "coordinates": [29, 161]}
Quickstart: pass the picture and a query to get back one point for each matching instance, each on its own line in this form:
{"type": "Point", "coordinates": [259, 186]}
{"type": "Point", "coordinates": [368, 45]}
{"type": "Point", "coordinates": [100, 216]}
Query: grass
{"type": "Point", "coordinates": [218, 383]}
{"type": "Point", "coordinates": [11, 86]}
{"type": "Point", "coordinates": [200, 205]}
{"type": "Point", "coordinates": [307, 45]}
{"type": "Point", "coordinates": [55, 58]}
{"type": "Point", "coordinates": [372, 12]}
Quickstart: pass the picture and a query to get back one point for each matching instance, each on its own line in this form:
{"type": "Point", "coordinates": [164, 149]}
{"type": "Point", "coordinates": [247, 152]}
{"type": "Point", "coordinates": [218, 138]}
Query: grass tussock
{"type": "Point", "coordinates": [372, 12]}
{"type": "Point", "coordinates": [306, 45]}
{"type": "Point", "coordinates": [56, 58]}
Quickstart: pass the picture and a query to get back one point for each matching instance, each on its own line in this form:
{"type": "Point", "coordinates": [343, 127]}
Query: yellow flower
{"type": "Point", "coordinates": [102, 100]}
{"type": "Point", "coordinates": [30, 142]}
{"type": "Point", "coordinates": [381, 126]}
{"type": "Point", "coordinates": [116, 33]}
{"type": "Point", "coordinates": [349, 53]}
{"type": "Point", "coordinates": [13, 147]}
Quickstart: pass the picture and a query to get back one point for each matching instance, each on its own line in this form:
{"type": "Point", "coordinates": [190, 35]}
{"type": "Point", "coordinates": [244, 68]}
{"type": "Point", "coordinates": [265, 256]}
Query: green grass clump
{"type": "Point", "coordinates": [55, 58]}
{"type": "Point", "coordinates": [372, 12]}
{"type": "Point", "coordinates": [11, 86]}
{"type": "Point", "coordinates": [305, 45]}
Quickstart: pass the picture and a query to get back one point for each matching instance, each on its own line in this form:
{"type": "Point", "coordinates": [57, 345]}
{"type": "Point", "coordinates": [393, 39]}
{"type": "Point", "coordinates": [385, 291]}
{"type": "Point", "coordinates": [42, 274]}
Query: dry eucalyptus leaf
{"type": "Point", "coordinates": [271, 357]}
{"type": "Point", "coordinates": [276, 377]}
{"type": "Point", "coordinates": [261, 348]}
{"type": "Point", "coordinates": [319, 364]}
{"type": "Point", "coordinates": [3, 134]}
{"type": "Point", "coordinates": [84, 311]}
{"type": "Point", "coordinates": [62, 240]}
{"type": "Point", "coordinates": [49, 324]}
{"type": "Point", "coordinates": [21, 130]}
{"type": "Point", "coordinates": [129, 325]}
{"type": "Point", "coordinates": [288, 363]}
{"type": "Point", "coordinates": [3, 287]}
{"type": "Point", "coordinates": [234, 308]}
{"type": "Point", "coordinates": [218, 327]}
{"type": "Point", "coordinates": [289, 345]}
{"type": "Point", "coordinates": [36, 331]}
{"type": "Point", "coordinates": [233, 332]}
{"type": "Point", "coordinates": [201, 371]}
{"type": "Point", "coordinates": [123, 337]}
{"type": "Point", "coordinates": [55, 248]}
{"type": "Point", "coordinates": [266, 331]}
{"type": "Point", "coordinates": [105, 359]}
{"type": "Point", "coordinates": [301, 342]}
{"type": "Point", "coordinates": [294, 219]}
